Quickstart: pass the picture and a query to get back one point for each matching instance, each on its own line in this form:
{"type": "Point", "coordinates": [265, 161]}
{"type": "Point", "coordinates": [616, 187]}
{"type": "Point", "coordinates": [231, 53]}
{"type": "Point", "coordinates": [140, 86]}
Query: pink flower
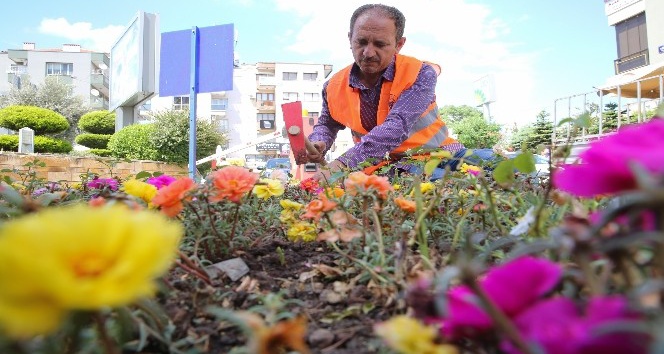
{"type": "Point", "coordinates": [513, 287]}
{"type": "Point", "coordinates": [161, 181]}
{"type": "Point", "coordinates": [560, 326]}
{"type": "Point", "coordinates": [101, 183]}
{"type": "Point", "coordinates": [605, 167]}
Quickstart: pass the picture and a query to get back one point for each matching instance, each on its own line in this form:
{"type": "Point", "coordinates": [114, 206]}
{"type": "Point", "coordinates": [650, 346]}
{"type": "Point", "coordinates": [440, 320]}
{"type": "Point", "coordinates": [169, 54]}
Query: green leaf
{"type": "Point", "coordinates": [525, 162]}
{"type": "Point", "coordinates": [583, 121]}
{"type": "Point", "coordinates": [430, 166]}
{"type": "Point", "coordinates": [11, 195]}
{"type": "Point", "coordinates": [504, 172]}
{"type": "Point", "coordinates": [143, 174]}
{"type": "Point", "coordinates": [565, 121]}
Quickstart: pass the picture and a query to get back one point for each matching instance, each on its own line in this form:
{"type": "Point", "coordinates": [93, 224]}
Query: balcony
{"type": "Point", "coordinates": [265, 67]}
{"type": "Point", "coordinates": [62, 78]}
{"type": "Point", "coordinates": [98, 103]}
{"type": "Point", "coordinates": [265, 106]}
{"type": "Point", "coordinates": [18, 56]}
{"type": "Point", "coordinates": [17, 75]}
{"type": "Point", "coordinates": [99, 81]}
{"type": "Point", "coordinates": [101, 60]}
{"type": "Point", "coordinates": [631, 62]}
{"type": "Point", "coordinates": [266, 84]}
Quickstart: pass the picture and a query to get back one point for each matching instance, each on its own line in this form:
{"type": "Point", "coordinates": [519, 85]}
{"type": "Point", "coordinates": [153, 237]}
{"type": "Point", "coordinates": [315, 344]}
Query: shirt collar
{"type": "Point", "coordinates": [354, 79]}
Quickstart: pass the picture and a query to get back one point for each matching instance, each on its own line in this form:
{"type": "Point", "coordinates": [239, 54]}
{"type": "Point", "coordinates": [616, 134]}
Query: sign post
{"type": "Point", "coordinates": [208, 67]}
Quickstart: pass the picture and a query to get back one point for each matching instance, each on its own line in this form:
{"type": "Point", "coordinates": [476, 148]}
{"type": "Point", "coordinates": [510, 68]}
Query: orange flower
{"type": "Point", "coordinates": [170, 197]}
{"type": "Point", "coordinates": [405, 204]}
{"type": "Point", "coordinates": [318, 206]}
{"type": "Point", "coordinates": [334, 192]}
{"type": "Point", "coordinates": [97, 202]}
{"type": "Point", "coordinates": [232, 182]}
{"type": "Point", "coordinates": [358, 182]}
{"type": "Point", "coordinates": [346, 228]}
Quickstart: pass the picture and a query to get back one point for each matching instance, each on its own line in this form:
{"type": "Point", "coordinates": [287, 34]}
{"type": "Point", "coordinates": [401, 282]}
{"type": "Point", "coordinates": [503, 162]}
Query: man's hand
{"type": "Point", "coordinates": [324, 172]}
{"type": "Point", "coordinates": [318, 156]}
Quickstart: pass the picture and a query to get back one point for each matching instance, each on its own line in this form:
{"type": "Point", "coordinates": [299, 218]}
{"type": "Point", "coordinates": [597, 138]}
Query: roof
{"type": "Point", "coordinates": [648, 76]}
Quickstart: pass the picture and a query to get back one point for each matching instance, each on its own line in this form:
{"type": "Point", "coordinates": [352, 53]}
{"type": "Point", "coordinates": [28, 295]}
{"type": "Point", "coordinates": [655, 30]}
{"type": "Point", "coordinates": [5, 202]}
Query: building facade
{"type": "Point", "coordinates": [253, 108]}
{"type": "Point", "coordinates": [85, 70]}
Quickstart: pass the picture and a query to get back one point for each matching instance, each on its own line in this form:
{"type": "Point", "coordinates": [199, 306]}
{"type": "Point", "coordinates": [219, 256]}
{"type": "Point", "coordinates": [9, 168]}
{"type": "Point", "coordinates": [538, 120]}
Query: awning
{"type": "Point", "coordinates": [648, 76]}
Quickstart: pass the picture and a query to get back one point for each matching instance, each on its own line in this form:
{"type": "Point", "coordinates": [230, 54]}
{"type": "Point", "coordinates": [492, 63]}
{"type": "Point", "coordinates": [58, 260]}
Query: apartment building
{"type": "Point", "coordinates": [639, 26]}
{"type": "Point", "coordinates": [253, 107]}
{"type": "Point", "coordinates": [85, 70]}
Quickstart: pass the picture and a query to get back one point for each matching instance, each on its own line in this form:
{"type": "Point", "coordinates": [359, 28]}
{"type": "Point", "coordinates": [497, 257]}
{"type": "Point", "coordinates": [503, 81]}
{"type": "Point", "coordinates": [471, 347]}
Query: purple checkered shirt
{"type": "Point", "coordinates": [382, 139]}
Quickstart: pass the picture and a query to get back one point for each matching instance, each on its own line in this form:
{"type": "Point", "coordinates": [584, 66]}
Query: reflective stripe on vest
{"type": "Point", "coordinates": [429, 131]}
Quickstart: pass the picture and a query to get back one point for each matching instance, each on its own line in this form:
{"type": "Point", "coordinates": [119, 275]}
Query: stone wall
{"type": "Point", "coordinates": [70, 168]}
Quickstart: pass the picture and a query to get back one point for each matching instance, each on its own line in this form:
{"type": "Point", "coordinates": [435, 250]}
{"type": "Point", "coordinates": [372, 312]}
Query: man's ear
{"type": "Point", "coordinates": [349, 34]}
{"type": "Point", "coordinates": [400, 43]}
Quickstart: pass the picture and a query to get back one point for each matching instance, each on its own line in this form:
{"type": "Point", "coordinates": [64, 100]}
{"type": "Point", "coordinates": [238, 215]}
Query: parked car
{"type": "Point", "coordinates": [279, 163]}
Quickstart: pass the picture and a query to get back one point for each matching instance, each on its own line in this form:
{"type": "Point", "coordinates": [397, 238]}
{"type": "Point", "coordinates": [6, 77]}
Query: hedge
{"type": "Point", "coordinates": [98, 122]}
{"type": "Point", "coordinates": [43, 144]}
{"type": "Point", "coordinates": [101, 152]}
{"type": "Point", "coordinates": [93, 141]}
{"type": "Point", "coordinates": [133, 142]}
{"type": "Point", "coordinates": [41, 120]}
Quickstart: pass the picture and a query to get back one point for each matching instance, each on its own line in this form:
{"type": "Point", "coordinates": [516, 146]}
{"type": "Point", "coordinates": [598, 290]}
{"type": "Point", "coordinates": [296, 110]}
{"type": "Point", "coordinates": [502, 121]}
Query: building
{"type": "Point", "coordinates": [85, 70]}
{"type": "Point", "coordinates": [253, 107]}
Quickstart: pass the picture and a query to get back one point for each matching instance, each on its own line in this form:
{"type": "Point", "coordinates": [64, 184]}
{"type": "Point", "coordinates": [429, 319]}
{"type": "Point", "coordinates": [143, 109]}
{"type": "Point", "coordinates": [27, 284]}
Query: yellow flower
{"type": "Point", "coordinates": [79, 258]}
{"type": "Point", "coordinates": [408, 336]}
{"type": "Point", "coordinates": [266, 188]}
{"type": "Point", "coordinates": [287, 217]}
{"type": "Point", "coordinates": [140, 189]}
{"type": "Point", "coordinates": [396, 187]}
{"type": "Point", "coordinates": [470, 169]}
{"type": "Point", "coordinates": [426, 187]}
{"type": "Point", "coordinates": [290, 205]}
{"type": "Point", "coordinates": [304, 231]}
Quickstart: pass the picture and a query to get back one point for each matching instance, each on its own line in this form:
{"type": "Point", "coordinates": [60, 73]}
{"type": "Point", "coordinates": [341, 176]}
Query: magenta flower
{"type": "Point", "coordinates": [101, 183]}
{"type": "Point", "coordinates": [605, 165]}
{"type": "Point", "coordinates": [513, 287]}
{"type": "Point", "coordinates": [161, 181]}
{"type": "Point", "coordinates": [559, 326]}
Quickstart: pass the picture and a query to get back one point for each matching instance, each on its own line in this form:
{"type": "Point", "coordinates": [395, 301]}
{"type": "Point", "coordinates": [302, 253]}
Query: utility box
{"type": "Point", "coordinates": [26, 140]}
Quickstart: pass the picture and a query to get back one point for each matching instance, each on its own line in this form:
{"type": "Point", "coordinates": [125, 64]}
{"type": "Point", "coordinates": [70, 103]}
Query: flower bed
{"type": "Point", "coordinates": [481, 261]}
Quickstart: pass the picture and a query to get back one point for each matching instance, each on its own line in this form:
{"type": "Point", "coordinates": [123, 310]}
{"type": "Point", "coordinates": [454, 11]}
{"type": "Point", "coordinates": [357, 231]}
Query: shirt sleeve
{"type": "Point", "coordinates": [382, 139]}
{"type": "Point", "coordinates": [327, 128]}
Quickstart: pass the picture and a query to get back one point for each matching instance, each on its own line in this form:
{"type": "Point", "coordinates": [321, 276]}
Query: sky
{"type": "Point", "coordinates": [533, 51]}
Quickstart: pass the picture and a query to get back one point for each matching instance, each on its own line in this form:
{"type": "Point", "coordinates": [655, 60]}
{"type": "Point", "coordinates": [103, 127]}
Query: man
{"type": "Point", "coordinates": [386, 99]}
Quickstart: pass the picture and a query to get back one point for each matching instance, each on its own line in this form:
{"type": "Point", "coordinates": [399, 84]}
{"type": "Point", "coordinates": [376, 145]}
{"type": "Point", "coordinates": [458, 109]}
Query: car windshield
{"type": "Point", "coordinates": [278, 163]}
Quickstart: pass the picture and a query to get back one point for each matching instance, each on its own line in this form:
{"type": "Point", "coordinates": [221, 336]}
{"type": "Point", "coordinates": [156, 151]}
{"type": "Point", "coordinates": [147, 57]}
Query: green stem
{"type": "Point", "coordinates": [379, 237]}
{"type": "Point", "coordinates": [110, 347]}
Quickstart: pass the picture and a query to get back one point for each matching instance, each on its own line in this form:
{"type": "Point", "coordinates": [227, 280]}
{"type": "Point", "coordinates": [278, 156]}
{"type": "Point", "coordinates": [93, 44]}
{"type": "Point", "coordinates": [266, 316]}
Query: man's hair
{"type": "Point", "coordinates": [390, 12]}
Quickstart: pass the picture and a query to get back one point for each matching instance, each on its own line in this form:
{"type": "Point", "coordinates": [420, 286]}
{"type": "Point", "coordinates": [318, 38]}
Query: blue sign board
{"type": "Point", "coordinates": [214, 66]}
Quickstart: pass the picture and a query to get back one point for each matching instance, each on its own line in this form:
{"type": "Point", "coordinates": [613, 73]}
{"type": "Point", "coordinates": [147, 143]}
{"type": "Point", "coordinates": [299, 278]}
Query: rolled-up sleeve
{"type": "Point", "coordinates": [384, 138]}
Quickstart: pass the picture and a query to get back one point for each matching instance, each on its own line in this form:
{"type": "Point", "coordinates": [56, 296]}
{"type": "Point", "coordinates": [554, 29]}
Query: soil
{"type": "Point", "coordinates": [340, 304]}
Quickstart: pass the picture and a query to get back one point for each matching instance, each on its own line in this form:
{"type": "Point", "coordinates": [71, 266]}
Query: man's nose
{"type": "Point", "coordinates": [369, 51]}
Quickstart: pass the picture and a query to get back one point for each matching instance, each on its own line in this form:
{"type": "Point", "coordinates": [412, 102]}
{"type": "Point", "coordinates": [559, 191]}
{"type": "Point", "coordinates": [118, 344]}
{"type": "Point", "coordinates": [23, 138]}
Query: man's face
{"type": "Point", "coordinates": [373, 42]}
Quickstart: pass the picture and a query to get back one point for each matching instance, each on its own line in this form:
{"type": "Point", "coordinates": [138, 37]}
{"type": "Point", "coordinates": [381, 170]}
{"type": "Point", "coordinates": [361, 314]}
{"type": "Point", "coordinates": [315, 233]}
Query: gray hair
{"type": "Point", "coordinates": [390, 12]}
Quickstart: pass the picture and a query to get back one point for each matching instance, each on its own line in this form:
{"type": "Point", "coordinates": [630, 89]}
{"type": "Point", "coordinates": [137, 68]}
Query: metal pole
{"type": "Point", "coordinates": [638, 100]}
{"type": "Point", "coordinates": [193, 84]}
{"type": "Point", "coordinates": [555, 124]}
{"type": "Point", "coordinates": [619, 107]}
{"type": "Point", "coordinates": [601, 111]}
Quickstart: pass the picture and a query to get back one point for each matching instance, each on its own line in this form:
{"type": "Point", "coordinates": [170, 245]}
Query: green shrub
{"type": "Point", "coordinates": [43, 144]}
{"type": "Point", "coordinates": [41, 120]}
{"type": "Point", "coordinates": [133, 141]}
{"type": "Point", "coordinates": [101, 152]}
{"type": "Point", "coordinates": [9, 142]}
{"type": "Point", "coordinates": [47, 144]}
{"type": "Point", "coordinates": [171, 137]}
{"type": "Point", "coordinates": [98, 122]}
{"type": "Point", "coordinates": [93, 141]}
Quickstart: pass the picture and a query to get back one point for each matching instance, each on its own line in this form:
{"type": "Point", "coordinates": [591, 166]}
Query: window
{"type": "Point", "coordinates": [265, 116]}
{"type": "Point", "coordinates": [291, 96]}
{"type": "Point", "coordinates": [631, 36]}
{"type": "Point", "coordinates": [59, 68]}
{"type": "Point", "coordinates": [290, 76]}
{"type": "Point", "coordinates": [219, 104]}
{"type": "Point", "coordinates": [309, 97]}
{"type": "Point", "coordinates": [220, 122]}
{"type": "Point", "coordinates": [310, 76]}
{"type": "Point", "coordinates": [264, 96]}
{"type": "Point", "coordinates": [181, 103]}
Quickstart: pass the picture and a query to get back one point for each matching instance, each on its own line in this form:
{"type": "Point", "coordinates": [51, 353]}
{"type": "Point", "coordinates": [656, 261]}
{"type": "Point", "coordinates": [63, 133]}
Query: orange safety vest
{"type": "Point", "coordinates": [343, 101]}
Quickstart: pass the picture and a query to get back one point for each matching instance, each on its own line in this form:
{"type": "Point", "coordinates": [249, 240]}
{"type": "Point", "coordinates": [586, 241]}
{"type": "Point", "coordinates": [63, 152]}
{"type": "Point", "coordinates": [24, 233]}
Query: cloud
{"type": "Point", "coordinates": [466, 39]}
{"type": "Point", "coordinates": [83, 33]}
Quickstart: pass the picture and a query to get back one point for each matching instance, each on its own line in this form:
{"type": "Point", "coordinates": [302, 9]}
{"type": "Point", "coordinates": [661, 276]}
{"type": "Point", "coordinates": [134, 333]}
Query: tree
{"type": "Point", "coordinates": [542, 131]}
{"type": "Point", "coordinates": [475, 132]}
{"type": "Point", "coordinates": [453, 114]}
{"type": "Point", "coordinates": [53, 95]}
